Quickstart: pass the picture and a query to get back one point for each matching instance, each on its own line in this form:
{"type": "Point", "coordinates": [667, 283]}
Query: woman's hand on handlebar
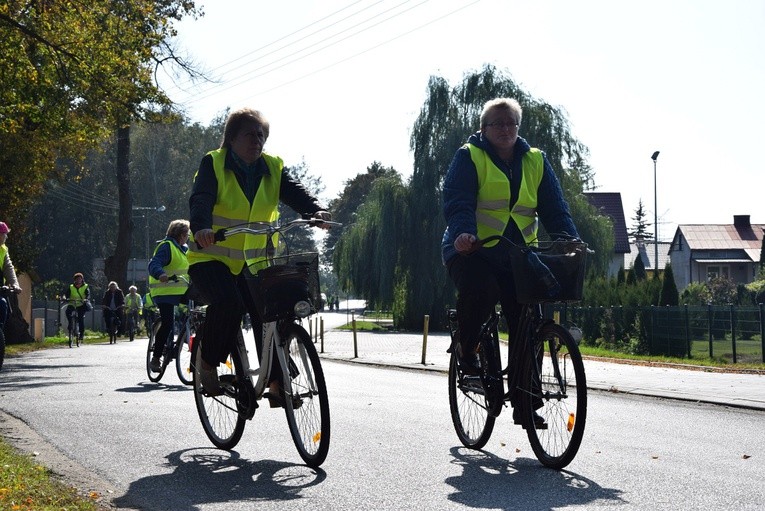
{"type": "Point", "coordinates": [466, 243]}
{"type": "Point", "coordinates": [204, 238]}
{"type": "Point", "coordinates": [323, 215]}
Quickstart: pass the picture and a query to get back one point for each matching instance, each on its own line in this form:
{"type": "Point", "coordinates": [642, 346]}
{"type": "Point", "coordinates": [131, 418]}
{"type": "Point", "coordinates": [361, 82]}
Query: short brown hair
{"type": "Point", "coordinates": [237, 119]}
{"type": "Point", "coordinates": [177, 227]}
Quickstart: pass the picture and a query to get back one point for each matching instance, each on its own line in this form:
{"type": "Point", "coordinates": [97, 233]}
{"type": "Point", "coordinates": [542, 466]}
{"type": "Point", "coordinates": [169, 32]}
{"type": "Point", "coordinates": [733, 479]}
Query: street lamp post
{"type": "Point", "coordinates": [145, 210]}
{"type": "Point", "coordinates": [654, 156]}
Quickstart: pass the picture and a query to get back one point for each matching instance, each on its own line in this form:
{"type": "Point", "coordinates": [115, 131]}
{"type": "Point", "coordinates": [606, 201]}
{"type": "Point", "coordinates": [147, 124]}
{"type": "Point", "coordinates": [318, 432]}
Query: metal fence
{"type": "Point", "coordinates": [51, 312]}
{"type": "Point", "coordinates": [727, 332]}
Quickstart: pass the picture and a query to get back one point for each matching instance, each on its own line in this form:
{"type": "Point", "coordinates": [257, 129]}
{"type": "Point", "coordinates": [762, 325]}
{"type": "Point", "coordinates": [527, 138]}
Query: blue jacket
{"type": "Point", "coordinates": [461, 191]}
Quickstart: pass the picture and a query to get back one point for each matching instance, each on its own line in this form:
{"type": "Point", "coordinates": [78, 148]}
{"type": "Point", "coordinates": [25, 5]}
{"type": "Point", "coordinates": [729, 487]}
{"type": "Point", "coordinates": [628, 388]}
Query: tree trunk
{"type": "Point", "coordinates": [115, 266]}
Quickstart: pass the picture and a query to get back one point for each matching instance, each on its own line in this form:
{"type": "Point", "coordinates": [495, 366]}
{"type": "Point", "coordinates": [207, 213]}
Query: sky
{"type": "Point", "coordinates": [342, 82]}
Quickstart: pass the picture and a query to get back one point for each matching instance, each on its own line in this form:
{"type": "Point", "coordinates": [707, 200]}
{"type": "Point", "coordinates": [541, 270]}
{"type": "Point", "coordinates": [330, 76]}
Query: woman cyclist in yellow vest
{"type": "Point", "coordinates": [496, 184]}
{"type": "Point", "coordinates": [236, 184]}
{"type": "Point", "coordinates": [78, 294]}
{"type": "Point", "coordinates": [169, 260]}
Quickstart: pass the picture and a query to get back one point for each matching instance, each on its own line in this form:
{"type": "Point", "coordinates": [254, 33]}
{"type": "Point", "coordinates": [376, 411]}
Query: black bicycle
{"type": "Point", "coordinates": [285, 290]}
{"type": "Point", "coordinates": [544, 379]}
{"type": "Point", "coordinates": [178, 347]}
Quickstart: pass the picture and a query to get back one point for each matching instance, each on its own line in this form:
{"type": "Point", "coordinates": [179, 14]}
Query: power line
{"type": "Point", "coordinates": [404, 34]}
{"type": "Point", "coordinates": [251, 74]}
{"type": "Point", "coordinates": [216, 89]}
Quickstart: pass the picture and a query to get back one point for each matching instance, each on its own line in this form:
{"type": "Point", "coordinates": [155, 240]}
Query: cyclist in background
{"type": "Point", "coordinates": [134, 306]}
{"type": "Point", "coordinates": [112, 303]}
{"type": "Point", "coordinates": [497, 184]}
{"type": "Point", "coordinates": [169, 260]}
{"type": "Point", "coordinates": [78, 294]}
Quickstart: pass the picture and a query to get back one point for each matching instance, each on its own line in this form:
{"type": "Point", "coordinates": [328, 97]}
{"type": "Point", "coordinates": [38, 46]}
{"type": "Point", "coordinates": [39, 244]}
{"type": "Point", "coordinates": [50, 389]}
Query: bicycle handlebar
{"type": "Point", "coordinates": [270, 230]}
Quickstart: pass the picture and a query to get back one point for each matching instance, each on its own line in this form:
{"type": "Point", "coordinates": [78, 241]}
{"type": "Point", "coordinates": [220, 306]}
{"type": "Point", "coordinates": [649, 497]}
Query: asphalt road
{"type": "Point", "coordinates": [92, 414]}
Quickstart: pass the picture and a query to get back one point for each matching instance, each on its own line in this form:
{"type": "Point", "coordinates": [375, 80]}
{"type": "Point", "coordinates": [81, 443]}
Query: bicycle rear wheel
{"type": "Point", "coordinates": [154, 377]}
{"type": "Point", "coordinates": [306, 402]}
{"type": "Point", "coordinates": [183, 358]}
{"type": "Point", "coordinates": [222, 417]}
{"type": "Point", "coordinates": [469, 408]}
{"type": "Point", "coordinates": [555, 388]}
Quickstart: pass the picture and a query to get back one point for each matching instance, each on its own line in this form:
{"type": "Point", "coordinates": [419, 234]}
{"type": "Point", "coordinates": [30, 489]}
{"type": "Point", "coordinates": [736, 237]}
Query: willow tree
{"type": "Point", "coordinates": [447, 118]}
{"type": "Point", "coordinates": [367, 255]}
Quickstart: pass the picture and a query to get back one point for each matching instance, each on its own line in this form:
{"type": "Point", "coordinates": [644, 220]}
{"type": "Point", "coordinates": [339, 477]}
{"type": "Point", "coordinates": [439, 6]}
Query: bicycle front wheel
{"type": "Point", "coordinates": [222, 417]}
{"type": "Point", "coordinates": [305, 400]}
{"type": "Point", "coordinates": [469, 408]}
{"type": "Point", "coordinates": [183, 358]}
{"type": "Point", "coordinates": [555, 389]}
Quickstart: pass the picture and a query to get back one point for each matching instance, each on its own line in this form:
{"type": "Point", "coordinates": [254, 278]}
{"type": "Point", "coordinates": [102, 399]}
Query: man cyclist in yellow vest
{"type": "Point", "coordinates": [496, 184]}
{"type": "Point", "coordinates": [169, 260]}
{"type": "Point", "coordinates": [236, 184]}
{"type": "Point", "coordinates": [134, 306]}
{"type": "Point", "coordinates": [78, 294]}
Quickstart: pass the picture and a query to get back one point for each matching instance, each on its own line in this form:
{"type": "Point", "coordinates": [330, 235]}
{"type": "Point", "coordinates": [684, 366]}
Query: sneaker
{"type": "Point", "coordinates": [155, 365]}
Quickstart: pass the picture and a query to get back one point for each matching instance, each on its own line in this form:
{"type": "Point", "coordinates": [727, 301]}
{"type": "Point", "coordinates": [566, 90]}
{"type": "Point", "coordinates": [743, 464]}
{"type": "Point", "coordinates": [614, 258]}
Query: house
{"type": "Point", "coordinates": [610, 204]}
{"type": "Point", "coordinates": [701, 252]}
{"type": "Point", "coordinates": [646, 250]}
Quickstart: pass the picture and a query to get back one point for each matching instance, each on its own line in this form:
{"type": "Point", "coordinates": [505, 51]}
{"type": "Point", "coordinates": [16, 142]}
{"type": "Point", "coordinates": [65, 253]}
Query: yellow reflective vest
{"type": "Point", "coordinates": [77, 295]}
{"type": "Point", "coordinates": [493, 208]}
{"type": "Point", "coordinates": [232, 208]}
{"type": "Point", "coordinates": [179, 265]}
{"type": "Point", "coordinates": [3, 251]}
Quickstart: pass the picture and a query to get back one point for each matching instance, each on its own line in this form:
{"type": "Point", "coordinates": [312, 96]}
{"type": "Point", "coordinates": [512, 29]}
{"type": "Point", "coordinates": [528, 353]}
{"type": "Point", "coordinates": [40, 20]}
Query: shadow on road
{"type": "Point", "coordinates": [209, 476]}
{"type": "Point", "coordinates": [491, 482]}
{"type": "Point", "coordinates": [146, 386]}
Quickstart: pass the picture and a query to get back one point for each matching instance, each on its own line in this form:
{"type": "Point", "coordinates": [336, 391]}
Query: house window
{"type": "Point", "coordinates": [718, 271]}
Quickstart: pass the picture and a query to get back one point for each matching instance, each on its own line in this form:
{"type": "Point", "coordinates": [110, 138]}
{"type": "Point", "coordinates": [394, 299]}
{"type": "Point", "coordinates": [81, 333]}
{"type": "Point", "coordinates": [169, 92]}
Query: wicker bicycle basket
{"type": "Point", "coordinates": [551, 272]}
{"type": "Point", "coordinates": [287, 280]}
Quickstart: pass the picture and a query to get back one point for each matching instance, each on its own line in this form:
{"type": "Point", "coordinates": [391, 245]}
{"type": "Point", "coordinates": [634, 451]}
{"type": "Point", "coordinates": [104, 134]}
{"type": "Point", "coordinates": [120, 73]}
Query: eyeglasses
{"type": "Point", "coordinates": [503, 125]}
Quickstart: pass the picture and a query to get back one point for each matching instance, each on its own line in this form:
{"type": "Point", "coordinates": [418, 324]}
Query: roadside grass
{"type": "Point", "coordinates": [62, 341]}
{"type": "Point", "coordinates": [27, 486]}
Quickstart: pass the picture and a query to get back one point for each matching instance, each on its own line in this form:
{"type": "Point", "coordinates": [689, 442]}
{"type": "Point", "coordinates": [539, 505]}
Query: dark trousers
{"type": "Point", "coordinates": [228, 298]}
{"type": "Point", "coordinates": [480, 285]}
{"type": "Point", "coordinates": [167, 316]}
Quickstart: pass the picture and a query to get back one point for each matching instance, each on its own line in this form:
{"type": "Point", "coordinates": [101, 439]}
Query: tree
{"type": "Point", "coordinates": [301, 240]}
{"type": "Point", "coordinates": [639, 269]}
{"type": "Point", "coordinates": [354, 194]}
{"type": "Point", "coordinates": [72, 74]}
{"type": "Point", "coordinates": [669, 294]}
{"type": "Point", "coordinates": [639, 232]}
